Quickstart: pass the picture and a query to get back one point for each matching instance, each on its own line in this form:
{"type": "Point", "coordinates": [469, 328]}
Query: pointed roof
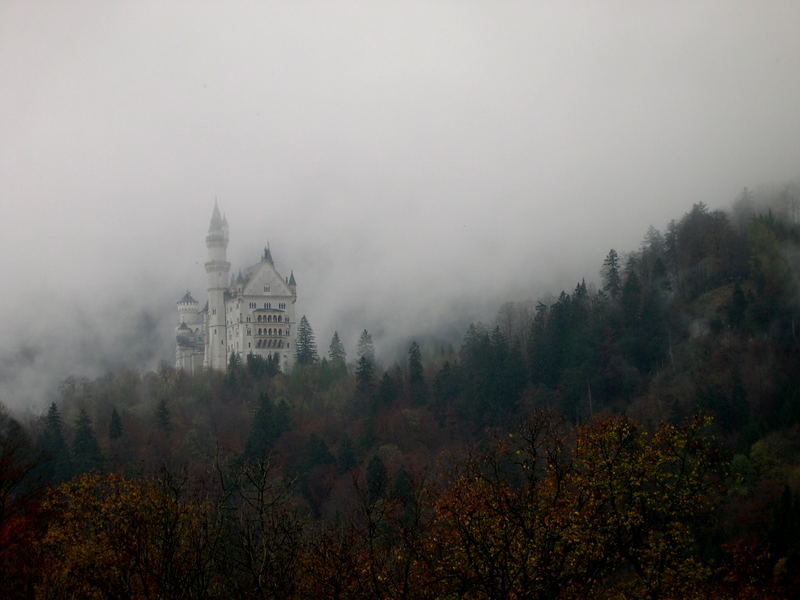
{"type": "Point", "coordinates": [187, 299]}
{"type": "Point", "coordinates": [216, 220]}
{"type": "Point", "coordinates": [268, 254]}
{"type": "Point", "coordinates": [291, 279]}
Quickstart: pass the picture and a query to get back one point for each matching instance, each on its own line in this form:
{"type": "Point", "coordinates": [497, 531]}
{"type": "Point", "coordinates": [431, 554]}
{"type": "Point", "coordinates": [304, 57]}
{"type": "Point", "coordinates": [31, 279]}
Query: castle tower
{"type": "Point", "coordinates": [217, 269]}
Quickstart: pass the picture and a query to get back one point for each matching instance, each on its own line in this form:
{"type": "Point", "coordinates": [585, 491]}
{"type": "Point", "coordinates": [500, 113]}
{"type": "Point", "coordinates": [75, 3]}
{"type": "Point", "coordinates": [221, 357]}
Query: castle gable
{"type": "Point", "coordinates": [264, 279]}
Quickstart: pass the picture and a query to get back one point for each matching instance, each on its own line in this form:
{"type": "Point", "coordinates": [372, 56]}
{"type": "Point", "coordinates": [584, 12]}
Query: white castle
{"type": "Point", "coordinates": [252, 313]}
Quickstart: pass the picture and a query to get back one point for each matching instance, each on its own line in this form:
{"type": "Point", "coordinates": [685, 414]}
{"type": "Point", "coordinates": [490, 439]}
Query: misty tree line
{"type": "Point", "coordinates": [702, 318]}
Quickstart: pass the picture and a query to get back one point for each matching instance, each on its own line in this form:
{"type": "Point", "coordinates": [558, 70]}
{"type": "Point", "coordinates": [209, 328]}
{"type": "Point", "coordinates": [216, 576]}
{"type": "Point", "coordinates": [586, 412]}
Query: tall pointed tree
{"type": "Point", "coordinates": [366, 348]}
{"type": "Point", "coordinates": [54, 446]}
{"type": "Point", "coordinates": [305, 346]}
{"type": "Point", "coordinates": [612, 280]}
{"type": "Point", "coordinates": [336, 353]}
{"type": "Point", "coordinates": [416, 378]}
{"type": "Point", "coordinates": [85, 447]}
{"type": "Point", "coordinates": [115, 425]}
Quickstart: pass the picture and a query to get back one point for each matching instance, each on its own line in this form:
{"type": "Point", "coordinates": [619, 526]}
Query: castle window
{"type": "Point", "coordinates": [280, 331]}
{"type": "Point", "coordinates": [269, 318]}
{"type": "Point", "coordinates": [268, 305]}
{"type": "Point", "coordinates": [259, 318]}
{"type": "Point", "coordinates": [249, 345]}
{"type": "Point", "coordinates": [265, 305]}
{"type": "Point", "coordinates": [270, 332]}
{"type": "Point", "coordinates": [266, 288]}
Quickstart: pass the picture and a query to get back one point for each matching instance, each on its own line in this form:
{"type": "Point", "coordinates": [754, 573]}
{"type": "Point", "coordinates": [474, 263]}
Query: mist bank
{"type": "Point", "coordinates": [128, 322]}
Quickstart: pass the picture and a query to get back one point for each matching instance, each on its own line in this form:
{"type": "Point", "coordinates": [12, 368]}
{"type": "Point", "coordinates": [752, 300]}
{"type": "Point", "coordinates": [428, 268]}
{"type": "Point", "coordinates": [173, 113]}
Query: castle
{"type": "Point", "coordinates": [252, 313]}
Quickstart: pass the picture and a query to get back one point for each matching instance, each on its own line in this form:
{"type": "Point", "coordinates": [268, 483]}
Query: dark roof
{"type": "Point", "coordinates": [291, 279]}
{"type": "Point", "coordinates": [187, 299]}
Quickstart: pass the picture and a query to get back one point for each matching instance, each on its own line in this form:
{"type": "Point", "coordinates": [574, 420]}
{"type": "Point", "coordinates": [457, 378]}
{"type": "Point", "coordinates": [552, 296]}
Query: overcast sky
{"type": "Point", "coordinates": [401, 157]}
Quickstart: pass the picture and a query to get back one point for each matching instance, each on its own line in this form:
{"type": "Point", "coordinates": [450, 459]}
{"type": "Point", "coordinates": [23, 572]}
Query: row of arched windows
{"type": "Point", "coordinates": [270, 331]}
{"type": "Point", "coordinates": [268, 318]}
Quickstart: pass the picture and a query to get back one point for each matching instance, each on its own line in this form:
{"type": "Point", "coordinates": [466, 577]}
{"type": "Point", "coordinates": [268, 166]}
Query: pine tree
{"type": "Point", "coordinates": [163, 417]}
{"type": "Point", "coordinates": [366, 349]}
{"type": "Point", "coordinates": [612, 282]}
{"type": "Point", "coordinates": [115, 426]}
{"type": "Point", "coordinates": [416, 379]}
{"type": "Point", "coordinates": [268, 425]}
{"type": "Point", "coordinates": [336, 352]}
{"type": "Point", "coordinates": [54, 447]}
{"type": "Point", "coordinates": [388, 389]}
{"type": "Point", "coordinates": [365, 379]}
{"type": "Point", "coordinates": [85, 447]}
{"type": "Point", "coordinates": [305, 346]}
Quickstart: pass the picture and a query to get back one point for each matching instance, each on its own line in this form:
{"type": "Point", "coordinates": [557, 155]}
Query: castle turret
{"type": "Point", "coordinates": [292, 284]}
{"type": "Point", "coordinates": [189, 350]}
{"type": "Point", "coordinates": [217, 269]}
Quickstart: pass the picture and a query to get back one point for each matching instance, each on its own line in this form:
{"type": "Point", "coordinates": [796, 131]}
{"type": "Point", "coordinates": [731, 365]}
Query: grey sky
{"type": "Point", "coordinates": [396, 155]}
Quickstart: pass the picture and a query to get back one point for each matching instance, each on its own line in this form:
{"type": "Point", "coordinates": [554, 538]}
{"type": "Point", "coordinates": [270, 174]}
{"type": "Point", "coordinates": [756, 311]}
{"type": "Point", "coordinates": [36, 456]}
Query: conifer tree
{"type": "Point", "coordinates": [612, 282]}
{"type": "Point", "coordinates": [54, 446]}
{"type": "Point", "coordinates": [336, 352]}
{"type": "Point", "coordinates": [387, 389]}
{"type": "Point", "coordinates": [305, 346]}
{"type": "Point", "coordinates": [115, 425]}
{"type": "Point", "coordinates": [163, 417]}
{"type": "Point", "coordinates": [416, 379]}
{"type": "Point", "coordinates": [85, 447]}
{"type": "Point", "coordinates": [268, 425]}
{"type": "Point", "coordinates": [366, 349]}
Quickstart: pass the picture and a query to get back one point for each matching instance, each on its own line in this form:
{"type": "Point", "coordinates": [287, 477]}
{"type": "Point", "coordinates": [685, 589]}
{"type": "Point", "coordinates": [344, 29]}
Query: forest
{"type": "Point", "coordinates": [638, 438]}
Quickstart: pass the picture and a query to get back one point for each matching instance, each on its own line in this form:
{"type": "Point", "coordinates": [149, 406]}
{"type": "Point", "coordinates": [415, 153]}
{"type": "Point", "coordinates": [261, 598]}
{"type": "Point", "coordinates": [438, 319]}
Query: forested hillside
{"type": "Point", "coordinates": [637, 438]}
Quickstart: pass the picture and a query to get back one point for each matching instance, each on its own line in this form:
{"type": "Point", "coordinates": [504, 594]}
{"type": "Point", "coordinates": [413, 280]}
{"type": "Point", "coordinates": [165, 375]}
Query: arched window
{"type": "Point", "coordinates": [269, 318]}
{"type": "Point", "coordinates": [270, 332]}
{"type": "Point", "coordinates": [280, 319]}
{"type": "Point", "coordinates": [280, 331]}
{"type": "Point", "coordinates": [259, 318]}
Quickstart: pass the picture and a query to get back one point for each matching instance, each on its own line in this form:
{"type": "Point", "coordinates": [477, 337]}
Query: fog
{"type": "Point", "coordinates": [415, 163]}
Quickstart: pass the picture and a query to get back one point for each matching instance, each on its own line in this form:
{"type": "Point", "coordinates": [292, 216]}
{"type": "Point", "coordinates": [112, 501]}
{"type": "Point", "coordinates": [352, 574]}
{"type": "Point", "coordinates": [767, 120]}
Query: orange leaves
{"type": "Point", "coordinates": [615, 517]}
{"type": "Point", "coordinates": [111, 536]}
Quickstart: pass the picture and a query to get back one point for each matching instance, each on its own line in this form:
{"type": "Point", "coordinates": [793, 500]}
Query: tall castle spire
{"type": "Point", "coordinates": [217, 269]}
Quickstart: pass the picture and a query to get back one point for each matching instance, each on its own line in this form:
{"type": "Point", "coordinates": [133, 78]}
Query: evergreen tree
{"type": "Point", "coordinates": [376, 479]}
{"type": "Point", "coordinates": [316, 453]}
{"type": "Point", "coordinates": [115, 425]}
{"type": "Point", "coordinates": [365, 380]}
{"type": "Point", "coordinates": [612, 282]}
{"type": "Point", "coordinates": [269, 423]}
{"type": "Point", "coordinates": [86, 450]}
{"type": "Point", "coordinates": [53, 446]}
{"type": "Point", "coordinates": [163, 416]}
{"type": "Point", "coordinates": [387, 389]}
{"type": "Point", "coordinates": [366, 349]}
{"type": "Point", "coordinates": [336, 367]}
{"type": "Point", "coordinates": [336, 352]}
{"type": "Point", "coordinates": [416, 379]}
{"type": "Point", "coordinates": [305, 346]}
